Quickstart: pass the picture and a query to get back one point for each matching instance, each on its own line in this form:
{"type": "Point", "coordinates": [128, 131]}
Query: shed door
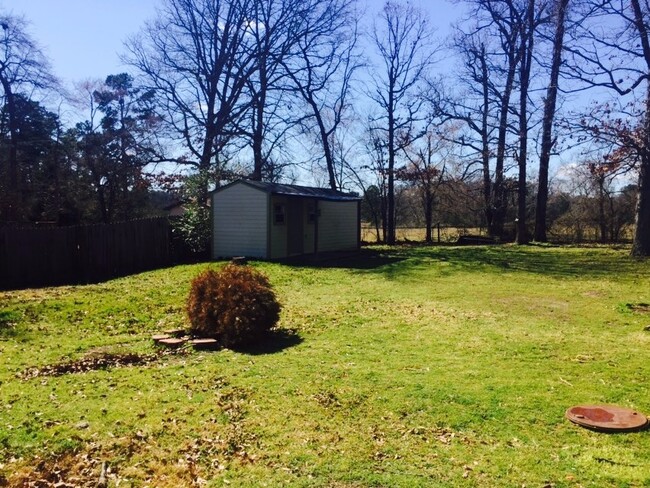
{"type": "Point", "coordinates": [295, 227]}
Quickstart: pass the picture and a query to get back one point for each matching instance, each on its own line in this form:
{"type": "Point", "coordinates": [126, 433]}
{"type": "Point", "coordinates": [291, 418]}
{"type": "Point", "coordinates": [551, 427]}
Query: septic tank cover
{"type": "Point", "coordinates": [607, 418]}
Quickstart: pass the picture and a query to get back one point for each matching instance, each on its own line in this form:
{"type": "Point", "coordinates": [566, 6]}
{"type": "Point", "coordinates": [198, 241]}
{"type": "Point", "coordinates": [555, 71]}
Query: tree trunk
{"type": "Point", "coordinates": [428, 216]}
{"type": "Point", "coordinates": [641, 243]}
{"type": "Point", "coordinates": [205, 164]}
{"type": "Point", "coordinates": [602, 219]}
{"type": "Point", "coordinates": [526, 61]}
{"type": "Point", "coordinates": [390, 197]}
{"type": "Point", "coordinates": [547, 124]}
{"type": "Point", "coordinates": [97, 180]}
{"type": "Point", "coordinates": [324, 137]}
{"type": "Point", "coordinates": [257, 139]}
{"type": "Point", "coordinates": [614, 221]}
{"type": "Point", "coordinates": [258, 122]}
{"type": "Point", "coordinates": [485, 143]}
{"type": "Point", "coordinates": [377, 219]}
{"type": "Point", "coordinates": [384, 217]}
{"type": "Point", "coordinates": [498, 190]}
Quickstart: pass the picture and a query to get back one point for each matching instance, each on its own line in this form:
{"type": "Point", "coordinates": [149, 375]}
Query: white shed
{"type": "Point", "coordinates": [272, 220]}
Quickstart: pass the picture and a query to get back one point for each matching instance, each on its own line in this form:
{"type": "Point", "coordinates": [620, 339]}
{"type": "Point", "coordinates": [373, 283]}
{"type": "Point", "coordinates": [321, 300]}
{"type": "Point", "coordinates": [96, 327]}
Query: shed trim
{"type": "Point", "coordinates": [295, 191]}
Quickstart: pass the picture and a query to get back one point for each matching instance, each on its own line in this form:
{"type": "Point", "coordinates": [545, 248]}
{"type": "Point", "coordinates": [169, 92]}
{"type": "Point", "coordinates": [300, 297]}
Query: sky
{"type": "Point", "coordinates": [83, 38]}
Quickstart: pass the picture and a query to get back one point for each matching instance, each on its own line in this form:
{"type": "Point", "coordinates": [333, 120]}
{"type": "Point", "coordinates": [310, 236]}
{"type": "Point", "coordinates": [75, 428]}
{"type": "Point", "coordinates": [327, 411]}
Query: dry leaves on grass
{"type": "Point", "coordinates": [68, 470]}
{"type": "Point", "coordinates": [96, 361]}
{"type": "Point", "coordinates": [139, 457]}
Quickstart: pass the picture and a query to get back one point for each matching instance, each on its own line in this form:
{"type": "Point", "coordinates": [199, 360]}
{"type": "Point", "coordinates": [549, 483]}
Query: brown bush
{"type": "Point", "coordinates": [235, 305]}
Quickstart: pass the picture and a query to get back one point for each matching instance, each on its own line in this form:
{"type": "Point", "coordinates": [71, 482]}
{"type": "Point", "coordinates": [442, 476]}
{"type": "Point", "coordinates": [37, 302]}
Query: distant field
{"type": "Point", "coordinates": [451, 234]}
{"type": "Point", "coordinates": [418, 234]}
{"type": "Point", "coordinates": [401, 367]}
{"type": "Point", "coordinates": [586, 233]}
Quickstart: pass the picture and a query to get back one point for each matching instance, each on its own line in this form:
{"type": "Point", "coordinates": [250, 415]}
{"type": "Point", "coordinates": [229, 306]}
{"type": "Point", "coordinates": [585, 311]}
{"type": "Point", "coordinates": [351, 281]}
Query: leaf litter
{"type": "Point", "coordinates": [97, 361]}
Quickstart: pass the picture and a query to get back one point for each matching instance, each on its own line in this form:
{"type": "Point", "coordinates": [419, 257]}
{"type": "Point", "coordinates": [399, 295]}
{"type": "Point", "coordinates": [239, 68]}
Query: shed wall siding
{"type": "Point", "coordinates": [337, 226]}
{"type": "Point", "coordinates": [240, 222]}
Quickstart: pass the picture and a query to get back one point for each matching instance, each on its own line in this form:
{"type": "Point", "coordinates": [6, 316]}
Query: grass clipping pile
{"type": "Point", "coordinates": [235, 305]}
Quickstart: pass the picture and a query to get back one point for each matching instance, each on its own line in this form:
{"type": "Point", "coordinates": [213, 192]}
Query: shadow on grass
{"type": "Point", "coordinates": [554, 261]}
{"type": "Point", "coordinates": [543, 260]}
{"type": "Point", "coordinates": [365, 259]}
{"type": "Point", "coordinates": [11, 325]}
{"type": "Point", "coordinates": [273, 342]}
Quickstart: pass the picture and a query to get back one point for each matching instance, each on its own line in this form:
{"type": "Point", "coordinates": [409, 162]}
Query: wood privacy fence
{"type": "Point", "coordinates": [31, 257]}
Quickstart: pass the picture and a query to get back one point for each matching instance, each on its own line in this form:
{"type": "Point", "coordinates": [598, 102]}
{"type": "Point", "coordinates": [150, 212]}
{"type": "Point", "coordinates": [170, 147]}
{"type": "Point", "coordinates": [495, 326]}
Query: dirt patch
{"type": "Point", "coordinates": [95, 361]}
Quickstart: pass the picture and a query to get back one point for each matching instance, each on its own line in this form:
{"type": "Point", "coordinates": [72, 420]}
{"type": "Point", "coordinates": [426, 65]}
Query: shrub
{"type": "Point", "coordinates": [235, 305]}
{"type": "Point", "coordinates": [193, 228]}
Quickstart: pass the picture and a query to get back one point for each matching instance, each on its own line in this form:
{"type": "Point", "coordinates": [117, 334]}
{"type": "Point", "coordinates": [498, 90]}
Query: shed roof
{"type": "Point", "coordinates": [296, 191]}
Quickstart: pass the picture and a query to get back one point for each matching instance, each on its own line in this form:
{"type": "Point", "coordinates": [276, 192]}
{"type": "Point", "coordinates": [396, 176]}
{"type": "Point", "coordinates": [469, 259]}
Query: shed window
{"type": "Point", "coordinates": [278, 214]}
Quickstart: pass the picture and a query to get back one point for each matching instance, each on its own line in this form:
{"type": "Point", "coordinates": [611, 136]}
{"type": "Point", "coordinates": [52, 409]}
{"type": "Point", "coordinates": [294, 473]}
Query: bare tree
{"type": "Point", "coordinates": [376, 195]}
{"type": "Point", "coordinates": [595, 201]}
{"type": "Point", "coordinates": [473, 107]}
{"type": "Point", "coordinates": [601, 175]}
{"type": "Point", "coordinates": [23, 68]}
{"type": "Point", "coordinates": [404, 42]}
{"type": "Point", "coordinates": [322, 65]}
{"type": "Point", "coordinates": [613, 51]}
{"type": "Point", "coordinates": [426, 170]}
{"type": "Point", "coordinates": [496, 43]}
{"type": "Point", "coordinates": [530, 20]}
{"type": "Point", "coordinates": [198, 56]}
{"type": "Point", "coordinates": [274, 32]}
{"type": "Point", "coordinates": [505, 18]}
{"type": "Point", "coordinates": [559, 19]}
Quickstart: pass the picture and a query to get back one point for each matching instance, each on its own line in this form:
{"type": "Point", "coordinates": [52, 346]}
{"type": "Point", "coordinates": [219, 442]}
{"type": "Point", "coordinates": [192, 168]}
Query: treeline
{"type": "Point", "coordinates": [92, 172]}
{"type": "Point", "coordinates": [579, 210]}
{"type": "Point", "coordinates": [480, 126]}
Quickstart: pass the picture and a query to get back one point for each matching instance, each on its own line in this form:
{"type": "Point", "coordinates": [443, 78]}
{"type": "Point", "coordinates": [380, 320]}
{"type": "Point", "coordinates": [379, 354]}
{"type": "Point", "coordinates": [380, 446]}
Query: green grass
{"type": "Point", "coordinates": [407, 366]}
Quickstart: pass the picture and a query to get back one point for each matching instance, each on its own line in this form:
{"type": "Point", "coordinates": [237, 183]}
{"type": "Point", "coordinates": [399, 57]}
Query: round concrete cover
{"type": "Point", "coordinates": [607, 418]}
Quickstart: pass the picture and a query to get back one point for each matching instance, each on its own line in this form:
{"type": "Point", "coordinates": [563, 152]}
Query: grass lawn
{"type": "Point", "coordinates": [404, 367]}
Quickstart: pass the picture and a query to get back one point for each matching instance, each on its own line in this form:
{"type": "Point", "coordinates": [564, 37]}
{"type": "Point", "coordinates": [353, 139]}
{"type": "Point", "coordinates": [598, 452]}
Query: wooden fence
{"type": "Point", "coordinates": [32, 257]}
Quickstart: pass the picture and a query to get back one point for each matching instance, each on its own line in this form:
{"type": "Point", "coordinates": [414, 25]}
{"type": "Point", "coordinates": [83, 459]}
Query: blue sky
{"type": "Point", "coordinates": [83, 38]}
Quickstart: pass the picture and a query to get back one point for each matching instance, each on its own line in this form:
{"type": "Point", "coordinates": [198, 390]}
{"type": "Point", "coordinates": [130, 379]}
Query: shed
{"type": "Point", "coordinates": [273, 221]}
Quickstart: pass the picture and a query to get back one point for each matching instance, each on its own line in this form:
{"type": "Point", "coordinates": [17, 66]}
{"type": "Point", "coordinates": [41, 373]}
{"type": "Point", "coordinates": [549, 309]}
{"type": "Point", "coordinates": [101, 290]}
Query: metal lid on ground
{"type": "Point", "coordinates": [607, 418]}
